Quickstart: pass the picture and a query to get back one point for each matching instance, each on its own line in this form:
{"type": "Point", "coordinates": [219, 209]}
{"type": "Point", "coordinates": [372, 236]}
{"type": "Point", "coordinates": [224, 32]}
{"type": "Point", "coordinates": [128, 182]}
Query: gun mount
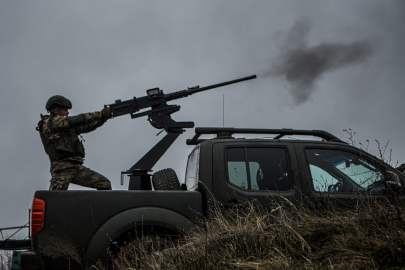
{"type": "Point", "coordinates": [159, 116]}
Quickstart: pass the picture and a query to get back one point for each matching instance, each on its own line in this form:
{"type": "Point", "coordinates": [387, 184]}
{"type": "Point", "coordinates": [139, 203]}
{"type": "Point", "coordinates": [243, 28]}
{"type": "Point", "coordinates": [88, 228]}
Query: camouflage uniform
{"type": "Point", "coordinates": [67, 172]}
{"type": "Point", "coordinates": [70, 169]}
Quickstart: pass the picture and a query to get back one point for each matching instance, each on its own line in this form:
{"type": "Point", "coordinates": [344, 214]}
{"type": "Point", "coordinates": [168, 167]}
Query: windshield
{"type": "Point", "coordinates": [341, 171]}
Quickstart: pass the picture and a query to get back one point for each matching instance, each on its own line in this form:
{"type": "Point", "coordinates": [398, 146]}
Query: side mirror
{"type": "Point", "coordinates": [392, 180]}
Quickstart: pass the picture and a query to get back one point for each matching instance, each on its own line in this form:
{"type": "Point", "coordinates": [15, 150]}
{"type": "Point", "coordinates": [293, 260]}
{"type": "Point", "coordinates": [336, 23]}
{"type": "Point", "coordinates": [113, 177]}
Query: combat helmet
{"type": "Point", "coordinates": [57, 102]}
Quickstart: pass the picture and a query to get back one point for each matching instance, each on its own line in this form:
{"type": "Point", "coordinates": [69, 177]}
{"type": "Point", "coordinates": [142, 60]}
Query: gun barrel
{"type": "Point", "coordinates": [192, 91]}
{"type": "Point", "coordinates": [184, 93]}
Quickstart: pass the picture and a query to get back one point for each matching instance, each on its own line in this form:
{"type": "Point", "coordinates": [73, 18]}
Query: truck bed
{"type": "Point", "coordinates": [74, 219]}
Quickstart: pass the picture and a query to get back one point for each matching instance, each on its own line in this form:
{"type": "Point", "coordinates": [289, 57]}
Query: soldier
{"type": "Point", "coordinates": [59, 134]}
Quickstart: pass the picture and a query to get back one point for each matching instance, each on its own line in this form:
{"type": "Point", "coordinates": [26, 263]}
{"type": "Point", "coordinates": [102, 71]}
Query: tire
{"type": "Point", "coordinates": [166, 179]}
{"type": "Point", "coordinates": [131, 248]}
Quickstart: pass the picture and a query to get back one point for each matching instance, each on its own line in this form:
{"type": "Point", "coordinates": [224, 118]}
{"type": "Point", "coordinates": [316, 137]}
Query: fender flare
{"type": "Point", "coordinates": [132, 218]}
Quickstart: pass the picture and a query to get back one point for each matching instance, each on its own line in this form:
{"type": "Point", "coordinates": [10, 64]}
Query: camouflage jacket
{"type": "Point", "coordinates": [54, 126]}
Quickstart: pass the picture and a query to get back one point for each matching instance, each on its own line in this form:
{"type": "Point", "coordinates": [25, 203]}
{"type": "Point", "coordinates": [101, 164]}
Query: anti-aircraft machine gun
{"type": "Point", "coordinates": [159, 117]}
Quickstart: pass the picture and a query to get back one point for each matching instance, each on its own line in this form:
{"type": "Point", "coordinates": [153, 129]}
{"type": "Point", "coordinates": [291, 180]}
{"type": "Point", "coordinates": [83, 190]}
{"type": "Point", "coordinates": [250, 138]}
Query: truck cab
{"type": "Point", "coordinates": [274, 170]}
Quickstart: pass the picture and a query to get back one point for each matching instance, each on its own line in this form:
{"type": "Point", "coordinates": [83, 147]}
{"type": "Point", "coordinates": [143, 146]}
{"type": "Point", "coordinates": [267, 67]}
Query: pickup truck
{"type": "Point", "coordinates": [74, 229]}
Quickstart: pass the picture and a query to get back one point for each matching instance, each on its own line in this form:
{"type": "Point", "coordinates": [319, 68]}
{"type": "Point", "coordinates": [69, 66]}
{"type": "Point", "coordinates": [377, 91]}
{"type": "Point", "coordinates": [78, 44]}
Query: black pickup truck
{"type": "Point", "coordinates": [75, 228]}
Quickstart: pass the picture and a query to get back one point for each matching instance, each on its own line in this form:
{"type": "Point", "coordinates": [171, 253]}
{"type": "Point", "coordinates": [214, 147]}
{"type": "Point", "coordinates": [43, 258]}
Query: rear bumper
{"type": "Point", "coordinates": [15, 244]}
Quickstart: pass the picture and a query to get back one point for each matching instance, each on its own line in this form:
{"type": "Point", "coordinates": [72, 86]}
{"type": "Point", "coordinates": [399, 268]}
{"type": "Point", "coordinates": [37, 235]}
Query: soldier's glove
{"type": "Point", "coordinates": [106, 113]}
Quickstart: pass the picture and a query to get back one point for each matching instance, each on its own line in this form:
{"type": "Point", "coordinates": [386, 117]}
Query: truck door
{"type": "Point", "coordinates": [336, 174]}
{"type": "Point", "coordinates": [263, 171]}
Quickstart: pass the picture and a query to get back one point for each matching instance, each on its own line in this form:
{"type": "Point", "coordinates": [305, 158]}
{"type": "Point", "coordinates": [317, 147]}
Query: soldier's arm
{"type": "Point", "coordinates": [60, 123]}
{"type": "Point", "coordinates": [93, 121]}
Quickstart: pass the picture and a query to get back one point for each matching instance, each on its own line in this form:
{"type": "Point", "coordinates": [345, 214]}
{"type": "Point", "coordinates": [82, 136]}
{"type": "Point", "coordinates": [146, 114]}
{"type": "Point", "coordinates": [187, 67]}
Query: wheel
{"type": "Point", "coordinates": [166, 179]}
{"type": "Point", "coordinates": [131, 248]}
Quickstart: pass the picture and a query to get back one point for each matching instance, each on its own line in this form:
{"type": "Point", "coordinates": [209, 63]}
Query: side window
{"type": "Point", "coordinates": [341, 171]}
{"type": "Point", "coordinates": [254, 168]}
{"type": "Point", "coordinates": [192, 169]}
{"type": "Point", "coordinates": [267, 169]}
{"type": "Point", "coordinates": [237, 167]}
{"type": "Point", "coordinates": [321, 179]}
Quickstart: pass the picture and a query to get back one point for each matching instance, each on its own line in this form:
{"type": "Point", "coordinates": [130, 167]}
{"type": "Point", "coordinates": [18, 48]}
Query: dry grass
{"type": "Point", "coordinates": [249, 236]}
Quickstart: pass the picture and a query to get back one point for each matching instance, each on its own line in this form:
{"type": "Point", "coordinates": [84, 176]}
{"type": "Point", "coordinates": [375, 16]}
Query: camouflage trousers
{"type": "Point", "coordinates": [70, 172]}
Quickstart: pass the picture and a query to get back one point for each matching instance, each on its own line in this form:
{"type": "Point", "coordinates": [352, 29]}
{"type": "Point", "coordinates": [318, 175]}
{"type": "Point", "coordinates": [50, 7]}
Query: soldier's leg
{"type": "Point", "coordinates": [92, 179]}
{"type": "Point", "coordinates": [62, 175]}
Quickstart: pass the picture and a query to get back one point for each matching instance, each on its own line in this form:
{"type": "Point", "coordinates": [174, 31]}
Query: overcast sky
{"type": "Point", "coordinates": [95, 52]}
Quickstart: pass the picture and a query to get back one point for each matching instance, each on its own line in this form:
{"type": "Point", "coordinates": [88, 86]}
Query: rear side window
{"type": "Point", "coordinates": [258, 168]}
{"type": "Point", "coordinates": [237, 170]}
{"type": "Point", "coordinates": [192, 170]}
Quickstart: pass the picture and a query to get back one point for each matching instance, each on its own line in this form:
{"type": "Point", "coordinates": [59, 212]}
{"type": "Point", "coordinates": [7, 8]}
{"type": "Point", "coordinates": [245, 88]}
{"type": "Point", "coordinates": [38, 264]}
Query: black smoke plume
{"type": "Point", "coordinates": [302, 66]}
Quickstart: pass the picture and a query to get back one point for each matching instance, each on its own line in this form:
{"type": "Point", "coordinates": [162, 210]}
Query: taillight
{"type": "Point", "coordinates": [37, 216]}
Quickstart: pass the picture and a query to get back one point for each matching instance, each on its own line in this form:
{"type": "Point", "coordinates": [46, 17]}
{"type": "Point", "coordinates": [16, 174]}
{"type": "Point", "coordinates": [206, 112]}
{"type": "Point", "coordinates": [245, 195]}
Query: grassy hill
{"type": "Point", "coordinates": [372, 236]}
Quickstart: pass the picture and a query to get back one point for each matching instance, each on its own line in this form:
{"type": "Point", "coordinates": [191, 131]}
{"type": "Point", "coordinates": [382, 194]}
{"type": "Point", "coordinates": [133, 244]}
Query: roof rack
{"type": "Point", "coordinates": [226, 133]}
